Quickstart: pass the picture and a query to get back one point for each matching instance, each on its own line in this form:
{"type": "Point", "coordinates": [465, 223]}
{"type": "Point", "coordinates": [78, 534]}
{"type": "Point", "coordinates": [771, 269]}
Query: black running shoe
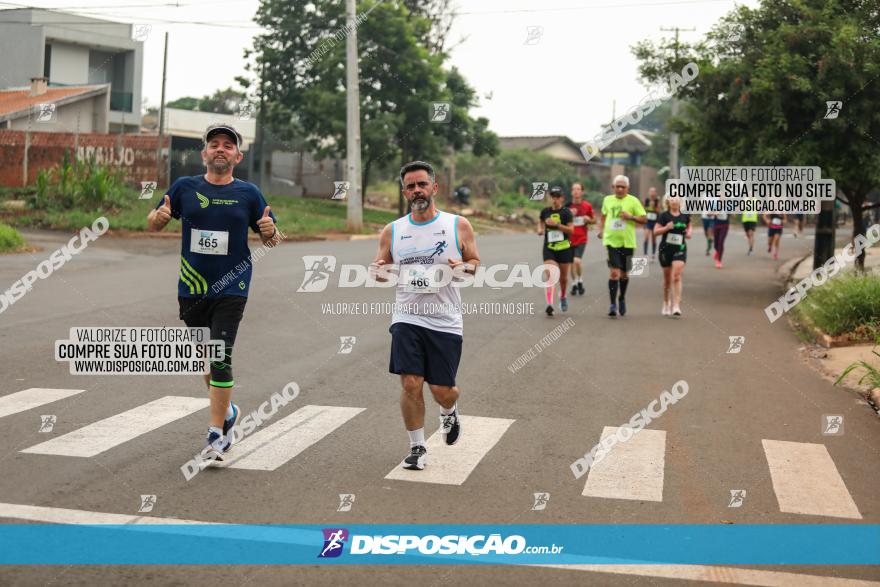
{"type": "Point", "coordinates": [580, 288]}
{"type": "Point", "coordinates": [450, 426]}
{"type": "Point", "coordinates": [574, 289]}
{"type": "Point", "coordinates": [418, 457]}
{"type": "Point", "coordinates": [549, 310]}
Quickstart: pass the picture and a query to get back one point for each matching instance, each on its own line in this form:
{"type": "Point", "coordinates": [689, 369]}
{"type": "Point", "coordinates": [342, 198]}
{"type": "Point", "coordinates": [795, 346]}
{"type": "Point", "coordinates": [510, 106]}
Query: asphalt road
{"type": "Point", "coordinates": [745, 414]}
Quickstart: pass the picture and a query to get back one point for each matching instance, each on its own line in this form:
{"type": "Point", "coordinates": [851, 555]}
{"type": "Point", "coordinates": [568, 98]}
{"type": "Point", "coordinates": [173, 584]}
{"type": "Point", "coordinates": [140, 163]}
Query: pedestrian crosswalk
{"type": "Point", "coordinates": [803, 476]}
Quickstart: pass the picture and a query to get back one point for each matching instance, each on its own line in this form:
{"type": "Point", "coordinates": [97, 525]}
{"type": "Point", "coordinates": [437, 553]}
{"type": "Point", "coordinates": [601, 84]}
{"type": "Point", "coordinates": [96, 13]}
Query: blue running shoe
{"type": "Point", "coordinates": [213, 450]}
{"type": "Point", "coordinates": [228, 424]}
{"type": "Point", "coordinates": [612, 311]}
{"type": "Point", "coordinates": [563, 303]}
{"type": "Point", "coordinates": [622, 307]}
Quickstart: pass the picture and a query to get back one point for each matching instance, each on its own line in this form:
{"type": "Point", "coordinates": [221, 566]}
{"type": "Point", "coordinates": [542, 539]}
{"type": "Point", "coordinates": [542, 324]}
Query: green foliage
{"type": "Point", "coordinates": [765, 76]}
{"type": "Point", "coordinates": [223, 101]}
{"type": "Point", "coordinates": [871, 376]}
{"type": "Point", "coordinates": [82, 185]}
{"type": "Point", "coordinates": [847, 304]}
{"type": "Point", "coordinates": [300, 61]}
{"type": "Point", "coordinates": [10, 240]}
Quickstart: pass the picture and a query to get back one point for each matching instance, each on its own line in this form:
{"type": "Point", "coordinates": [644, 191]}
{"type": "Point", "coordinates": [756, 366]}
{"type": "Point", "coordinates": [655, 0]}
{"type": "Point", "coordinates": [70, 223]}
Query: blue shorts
{"type": "Point", "coordinates": [707, 224]}
{"type": "Point", "coordinates": [416, 350]}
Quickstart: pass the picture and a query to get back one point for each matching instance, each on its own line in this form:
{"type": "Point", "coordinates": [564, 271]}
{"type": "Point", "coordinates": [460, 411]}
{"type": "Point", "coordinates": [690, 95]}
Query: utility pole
{"type": "Point", "coordinates": [162, 123]}
{"type": "Point", "coordinates": [673, 136]}
{"type": "Point", "coordinates": [353, 123]}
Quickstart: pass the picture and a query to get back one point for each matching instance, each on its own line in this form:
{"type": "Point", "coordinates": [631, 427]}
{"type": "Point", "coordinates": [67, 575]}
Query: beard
{"type": "Point", "coordinates": [421, 203]}
{"type": "Point", "coordinates": [219, 166]}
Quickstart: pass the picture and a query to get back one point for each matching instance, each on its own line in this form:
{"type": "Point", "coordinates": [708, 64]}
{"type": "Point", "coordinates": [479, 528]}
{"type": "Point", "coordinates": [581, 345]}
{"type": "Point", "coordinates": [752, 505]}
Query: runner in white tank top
{"type": "Point", "coordinates": [426, 328]}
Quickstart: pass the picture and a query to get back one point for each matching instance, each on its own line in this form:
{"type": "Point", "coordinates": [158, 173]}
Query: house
{"type": "Point", "coordinates": [628, 148]}
{"type": "Point", "coordinates": [74, 109]}
{"type": "Point", "coordinates": [75, 51]}
{"type": "Point", "coordinates": [564, 149]}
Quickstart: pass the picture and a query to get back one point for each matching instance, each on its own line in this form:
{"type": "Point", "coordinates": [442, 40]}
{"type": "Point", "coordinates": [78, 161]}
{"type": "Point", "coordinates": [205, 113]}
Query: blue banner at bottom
{"type": "Point", "coordinates": [196, 544]}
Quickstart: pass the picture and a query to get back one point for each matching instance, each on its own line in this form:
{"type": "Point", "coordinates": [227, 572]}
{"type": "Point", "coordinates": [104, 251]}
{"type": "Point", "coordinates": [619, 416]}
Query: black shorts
{"type": "Point", "coordinates": [579, 250]}
{"type": "Point", "coordinates": [222, 315]}
{"type": "Point", "coordinates": [620, 258]}
{"type": "Point", "coordinates": [416, 350]}
{"type": "Point", "coordinates": [747, 226]}
{"type": "Point", "coordinates": [563, 256]}
{"type": "Point", "coordinates": [773, 231]}
{"type": "Point", "coordinates": [671, 253]}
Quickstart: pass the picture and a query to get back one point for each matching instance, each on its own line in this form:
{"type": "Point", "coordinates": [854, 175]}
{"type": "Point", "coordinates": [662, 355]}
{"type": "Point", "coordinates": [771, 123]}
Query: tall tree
{"type": "Point", "coordinates": [302, 56]}
{"type": "Point", "coordinates": [765, 77]}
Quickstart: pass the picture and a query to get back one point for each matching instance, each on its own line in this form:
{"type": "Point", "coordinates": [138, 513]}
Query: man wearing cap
{"type": "Point", "coordinates": [215, 211]}
{"type": "Point", "coordinates": [556, 226]}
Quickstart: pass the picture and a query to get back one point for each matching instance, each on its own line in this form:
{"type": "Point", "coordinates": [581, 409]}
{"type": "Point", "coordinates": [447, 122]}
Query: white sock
{"type": "Point", "coordinates": [416, 437]}
{"type": "Point", "coordinates": [215, 429]}
{"type": "Point", "coordinates": [447, 411]}
{"type": "Point", "coordinates": [580, 280]}
{"type": "Point", "coordinates": [229, 411]}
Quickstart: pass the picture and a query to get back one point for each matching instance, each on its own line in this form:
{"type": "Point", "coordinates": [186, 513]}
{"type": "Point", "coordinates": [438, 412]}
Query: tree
{"type": "Point", "coordinates": [223, 101]}
{"type": "Point", "coordinates": [765, 77]}
{"type": "Point", "coordinates": [301, 58]}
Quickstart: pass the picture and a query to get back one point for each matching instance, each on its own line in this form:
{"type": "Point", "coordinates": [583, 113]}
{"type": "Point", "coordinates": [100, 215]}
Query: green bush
{"type": "Point", "coordinates": [848, 303]}
{"type": "Point", "coordinates": [83, 185]}
{"type": "Point", "coordinates": [10, 240]}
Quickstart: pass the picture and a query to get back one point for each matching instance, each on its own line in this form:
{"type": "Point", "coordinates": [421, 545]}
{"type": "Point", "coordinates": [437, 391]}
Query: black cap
{"type": "Point", "coordinates": [556, 191]}
{"type": "Point", "coordinates": [226, 129]}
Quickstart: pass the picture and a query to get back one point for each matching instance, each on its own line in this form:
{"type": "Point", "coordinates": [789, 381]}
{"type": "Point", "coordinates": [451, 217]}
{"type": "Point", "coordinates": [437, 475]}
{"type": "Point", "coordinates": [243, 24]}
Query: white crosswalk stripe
{"type": "Point", "coordinates": [271, 447]}
{"type": "Point", "coordinates": [105, 434]}
{"type": "Point", "coordinates": [32, 398]}
{"type": "Point", "coordinates": [806, 481]}
{"type": "Point", "coordinates": [630, 470]}
{"type": "Point", "coordinates": [451, 465]}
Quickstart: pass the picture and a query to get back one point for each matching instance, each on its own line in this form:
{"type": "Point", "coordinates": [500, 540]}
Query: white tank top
{"type": "Point", "coordinates": [415, 249]}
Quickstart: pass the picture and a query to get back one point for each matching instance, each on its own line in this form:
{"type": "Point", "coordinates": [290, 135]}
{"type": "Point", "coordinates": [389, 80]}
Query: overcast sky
{"type": "Point", "coordinates": [562, 82]}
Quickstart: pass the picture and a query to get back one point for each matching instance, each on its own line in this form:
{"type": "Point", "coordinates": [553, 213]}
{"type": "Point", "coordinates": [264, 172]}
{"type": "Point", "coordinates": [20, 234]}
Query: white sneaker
{"type": "Point", "coordinates": [667, 309]}
{"type": "Point", "coordinates": [676, 311]}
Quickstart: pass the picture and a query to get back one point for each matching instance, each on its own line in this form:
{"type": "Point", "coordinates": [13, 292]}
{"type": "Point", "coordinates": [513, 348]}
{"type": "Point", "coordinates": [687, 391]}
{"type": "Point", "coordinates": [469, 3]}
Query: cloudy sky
{"type": "Point", "coordinates": [564, 80]}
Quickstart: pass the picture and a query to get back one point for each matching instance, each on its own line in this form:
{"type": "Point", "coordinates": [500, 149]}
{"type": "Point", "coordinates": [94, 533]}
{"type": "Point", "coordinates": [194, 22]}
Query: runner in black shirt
{"type": "Point", "coordinates": [676, 229]}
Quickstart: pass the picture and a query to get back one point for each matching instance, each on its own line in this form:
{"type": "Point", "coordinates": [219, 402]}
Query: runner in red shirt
{"type": "Point", "coordinates": [583, 215]}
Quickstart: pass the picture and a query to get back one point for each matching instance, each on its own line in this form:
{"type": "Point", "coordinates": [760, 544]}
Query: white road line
{"type": "Point", "coordinates": [65, 516]}
{"type": "Point", "coordinates": [115, 430]}
{"type": "Point", "coordinates": [713, 574]}
{"type": "Point", "coordinates": [273, 446]}
{"type": "Point", "coordinates": [806, 480]}
{"type": "Point", "coordinates": [451, 465]}
{"type": "Point", "coordinates": [631, 469]}
{"type": "Point", "coordinates": [32, 398]}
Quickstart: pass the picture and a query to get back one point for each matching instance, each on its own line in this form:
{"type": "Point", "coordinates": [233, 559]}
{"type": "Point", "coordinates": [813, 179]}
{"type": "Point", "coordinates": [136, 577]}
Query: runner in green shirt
{"type": "Point", "coordinates": [620, 213]}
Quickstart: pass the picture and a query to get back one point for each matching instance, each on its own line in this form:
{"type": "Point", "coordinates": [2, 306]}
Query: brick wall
{"type": "Point", "coordinates": [134, 154]}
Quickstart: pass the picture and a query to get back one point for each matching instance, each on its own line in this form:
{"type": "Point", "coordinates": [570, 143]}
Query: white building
{"type": "Point", "coordinates": [72, 50]}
